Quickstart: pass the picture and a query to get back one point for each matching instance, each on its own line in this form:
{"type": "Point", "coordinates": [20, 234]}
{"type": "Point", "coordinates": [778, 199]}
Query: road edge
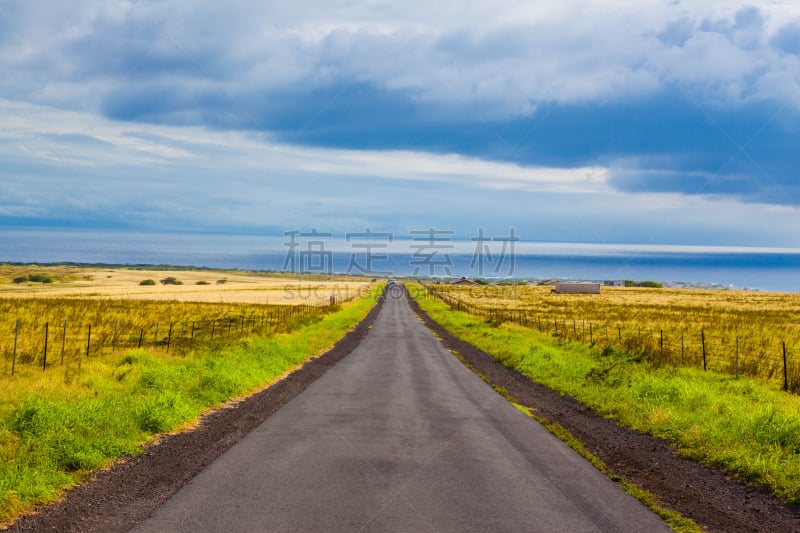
{"type": "Point", "coordinates": [560, 419]}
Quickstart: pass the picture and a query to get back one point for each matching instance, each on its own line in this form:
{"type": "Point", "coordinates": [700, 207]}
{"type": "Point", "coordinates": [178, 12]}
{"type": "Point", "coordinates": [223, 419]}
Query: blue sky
{"type": "Point", "coordinates": [656, 122]}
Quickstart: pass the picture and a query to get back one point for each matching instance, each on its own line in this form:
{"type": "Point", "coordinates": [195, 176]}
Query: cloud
{"type": "Point", "coordinates": [183, 56]}
{"type": "Point", "coordinates": [120, 174]}
{"type": "Point", "coordinates": [255, 114]}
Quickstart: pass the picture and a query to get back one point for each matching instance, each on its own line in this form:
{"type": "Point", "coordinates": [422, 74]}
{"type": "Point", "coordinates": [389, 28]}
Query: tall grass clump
{"type": "Point", "coordinates": [746, 426]}
{"type": "Point", "coordinates": [58, 426]}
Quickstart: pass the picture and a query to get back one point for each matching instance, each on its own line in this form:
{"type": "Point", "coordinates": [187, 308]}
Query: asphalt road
{"type": "Point", "coordinates": [400, 436]}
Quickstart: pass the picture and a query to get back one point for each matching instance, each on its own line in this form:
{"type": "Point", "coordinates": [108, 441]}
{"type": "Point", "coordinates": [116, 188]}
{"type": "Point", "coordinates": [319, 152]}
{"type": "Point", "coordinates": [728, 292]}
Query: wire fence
{"type": "Point", "coordinates": [56, 343]}
{"type": "Point", "coordinates": [733, 354]}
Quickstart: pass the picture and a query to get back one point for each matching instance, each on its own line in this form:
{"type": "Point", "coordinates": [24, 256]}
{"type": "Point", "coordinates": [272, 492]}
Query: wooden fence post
{"type": "Point", "coordinates": [703, 342]}
{"type": "Point", "coordinates": [785, 372]}
{"type": "Point", "coordinates": [89, 340]}
{"type": "Point", "coordinates": [114, 340]}
{"type": "Point", "coordinates": [141, 334]}
{"type": "Point", "coordinates": [155, 337]}
{"type": "Point", "coordinates": [169, 337]}
{"type": "Point", "coordinates": [63, 342]}
{"type": "Point", "coordinates": [14, 358]}
{"type": "Point", "coordinates": [737, 357]}
{"type": "Point", "coordinates": [44, 357]}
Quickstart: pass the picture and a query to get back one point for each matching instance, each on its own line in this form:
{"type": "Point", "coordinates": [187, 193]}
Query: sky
{"type": "Point", "coordinates": [650, 122]}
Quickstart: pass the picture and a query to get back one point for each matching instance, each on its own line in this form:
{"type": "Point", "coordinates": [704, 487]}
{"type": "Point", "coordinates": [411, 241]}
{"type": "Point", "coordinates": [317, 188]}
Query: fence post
{"type": "Point", "coordinates": [155, 337]}
{"type": "Point", "coordinates": [703, 342]}
{"type": "Point", "coordinates": [114, 340]}
{"type": "Point", "coordinates": [661, 341]}
{"type": "Point", "coordinates": [737, 356]}
{"type": "Point", "coordinates": [590, 333]}
{"type": "Point", "coordinates": [785, 372]}
{"type": "Point", "coordinates": [192, 329]}
{"type": "Point", "coordinates": [14, 358]}
{"type": "Point", "coordinates": [169, 337]}
{"type": "Point", "coordinates": [89, 340]}
{"type": "Point", "coordinates": [44, 357]}
{"type": "Point", "coordinates": [141, 334]}
{"type": "Point", "coordinates": [63, 342]}
{"type": "Point", "coordinates": [619, 333]}
{"type": "Point", "coordinates": [681, 347]}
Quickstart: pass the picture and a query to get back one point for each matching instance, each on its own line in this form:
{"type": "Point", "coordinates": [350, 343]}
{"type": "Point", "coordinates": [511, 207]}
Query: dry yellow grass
{"type": "Point", "coordinates": [84, 311]}
{"type": "Point", "coordinates": [669, 322]}
{"type": "Point", "coordinates": [123, 283]}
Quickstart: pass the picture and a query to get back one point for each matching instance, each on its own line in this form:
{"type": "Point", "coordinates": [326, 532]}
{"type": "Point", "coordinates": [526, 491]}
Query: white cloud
{"type": "Point", "coordinates": [505, 59]}
{"type": "Point", "coordinates": [73, 139]}
{"type": "Point", "coordinates": [167, 177]}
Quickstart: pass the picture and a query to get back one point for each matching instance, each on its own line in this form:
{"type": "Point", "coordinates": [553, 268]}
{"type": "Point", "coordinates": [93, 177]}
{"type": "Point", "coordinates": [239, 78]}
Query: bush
{"type": "Point", "coordinates": [147, 282]}
{"type": "Point", "coordinates": [651, 284]}
{"type": "Point", "coordinates": [21, 279]}
{"type": "Point", "coordinates": [40, 278]}
{"type": "Point", "coordinates": [171, 280]}
{"type": "Point", "coordinates": [201, 282]}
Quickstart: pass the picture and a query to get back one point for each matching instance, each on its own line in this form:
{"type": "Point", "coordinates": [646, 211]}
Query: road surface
{"type": "Point", "coordinates": [400, 436]}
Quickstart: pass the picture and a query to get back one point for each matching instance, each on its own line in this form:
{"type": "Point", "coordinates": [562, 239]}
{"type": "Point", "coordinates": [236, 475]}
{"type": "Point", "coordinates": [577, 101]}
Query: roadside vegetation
{"type": "Point", "coordinates": [56, 427]}
{"type": "Point", "coordinates": [737, 332]}
{"type": "Point", "coordinates": [747, 426]}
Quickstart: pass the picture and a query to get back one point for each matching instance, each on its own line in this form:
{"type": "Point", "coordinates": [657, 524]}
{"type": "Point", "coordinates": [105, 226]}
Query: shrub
{"type": "Point", "coordinates": [651, 284]}
{"type": "Point", "coordinates": [40, 278]}
{"type": "Point", "coordinates": [20, 279]}
{"type": "Point", "coordinates": [147, 282]}
{"type": "Point", "coordinates": [171, 280]}
{"type": "Point", "coordinates": [201, 282]}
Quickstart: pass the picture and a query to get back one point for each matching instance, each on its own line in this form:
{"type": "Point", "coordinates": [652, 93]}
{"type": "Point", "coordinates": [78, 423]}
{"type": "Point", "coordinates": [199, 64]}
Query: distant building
{"type": "Point", "coordinates": [614, 283]}
{"type": "Point", "coordinates": [463, 281]}
{"type": "Point", "coordinates": [577, 288]}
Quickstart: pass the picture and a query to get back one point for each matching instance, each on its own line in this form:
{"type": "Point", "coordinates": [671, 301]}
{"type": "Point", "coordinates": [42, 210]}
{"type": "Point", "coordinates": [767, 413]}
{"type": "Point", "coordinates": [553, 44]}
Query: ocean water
{"type": "Point", "coordinates": [754, 268]}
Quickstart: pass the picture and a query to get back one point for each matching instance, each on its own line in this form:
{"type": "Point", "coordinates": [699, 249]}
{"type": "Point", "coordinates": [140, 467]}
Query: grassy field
{"type": "Point", "coordinates": [671, 324]}
{"type": "Point", "coordinates": [209, 286]}
{"type": "Point", "coordinates": [70, 313]}
{"type": "Point", "coordinates": [745, 425]}
{"type": "Point", "coordinates": [58, 426]}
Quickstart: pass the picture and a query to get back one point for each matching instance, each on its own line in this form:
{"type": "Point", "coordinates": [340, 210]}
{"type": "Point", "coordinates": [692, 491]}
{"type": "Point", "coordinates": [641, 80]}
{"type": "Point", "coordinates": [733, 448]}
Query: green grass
{"type": "Point", "coordinates": [57, 427]}
{"type": "Point", "coordinates": [747, 426]}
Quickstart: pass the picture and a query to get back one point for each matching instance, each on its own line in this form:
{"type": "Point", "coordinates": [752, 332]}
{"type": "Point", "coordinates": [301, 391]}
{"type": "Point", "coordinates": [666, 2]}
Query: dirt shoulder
{"type": "Point", "coordinates": [118, 498]}
{"type": "Point", "coordinates": [707, 495]}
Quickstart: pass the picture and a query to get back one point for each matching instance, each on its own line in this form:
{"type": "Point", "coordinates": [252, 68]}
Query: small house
{"type": "Point", "coordinates": [463, 281]}
{"type": "Point", "coordinates": [577, 288]}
